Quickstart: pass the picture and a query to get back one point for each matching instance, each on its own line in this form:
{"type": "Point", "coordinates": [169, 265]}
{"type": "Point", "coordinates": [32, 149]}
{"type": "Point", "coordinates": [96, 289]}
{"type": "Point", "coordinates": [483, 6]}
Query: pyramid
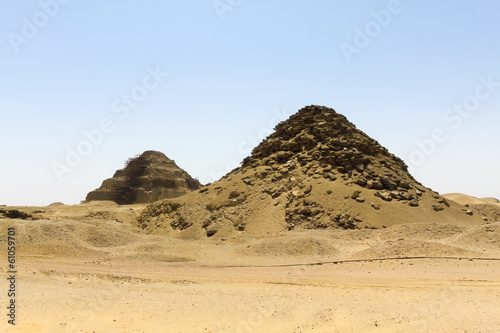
{"type": "Point", "coordinates": [146, 178]}
{"type": "Point", "coordinates": [316, 171]}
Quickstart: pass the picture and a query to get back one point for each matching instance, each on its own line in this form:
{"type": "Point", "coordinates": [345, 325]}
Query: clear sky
{"type": "Point", "coordinates": [84, 85]}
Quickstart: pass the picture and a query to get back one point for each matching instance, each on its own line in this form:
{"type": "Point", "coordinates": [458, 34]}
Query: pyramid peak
{"type": "Point", "coordinates": [318, 133]}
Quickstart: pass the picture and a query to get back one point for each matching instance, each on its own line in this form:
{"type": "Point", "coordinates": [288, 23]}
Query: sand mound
{"type": "Point", "coordinates": [282, 246]}
{"type": "Point", "coordinates": [56, 204]}
{"type": "Point", "coordinates": [411, 248]}
{"type": "Point", "coordinates": [491, 200]}
{"type": "Point", "coordinates": [463, 199]}
{"type": "Point", "coordinates": [485, 238]}
{"type": "Point", "coordinates": [316, 171]}
{"type": "Point", "coordinates": [146, 178]}
{"type": "Point", "coordinates": [422, 231]}
{"type": "Point", "coordinates": [487, 208]}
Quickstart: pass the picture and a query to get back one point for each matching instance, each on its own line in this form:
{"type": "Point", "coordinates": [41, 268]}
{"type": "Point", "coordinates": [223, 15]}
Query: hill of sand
{"type": "Point", "coordinates": [146, 178]}
{"type": "Point", "coordinates": [488, 208]}
{"type": "Point", "coordinates": [316, 171]}
{"type": "Point", "coordinates": [87, 268]}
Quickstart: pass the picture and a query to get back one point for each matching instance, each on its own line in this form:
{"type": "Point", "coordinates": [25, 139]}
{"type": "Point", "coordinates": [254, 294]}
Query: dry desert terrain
{"type": "Point", "coordinates": [87, 268]}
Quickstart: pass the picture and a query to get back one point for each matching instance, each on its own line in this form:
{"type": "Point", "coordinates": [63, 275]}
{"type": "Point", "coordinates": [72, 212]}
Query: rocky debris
{"type": "Point", "coordinates": [444, 202]}
{"type": "Point", "coordinates": [360, 199]}
{"type": "Point", "coordinates": [437, 208]}
{"type": "Point", "coordinates": [384, 195]}
{"type": "Point", "coordinates": [146, 178]}
{"type": "Point", "coordinates": [318, 135]}
{"type": "Point", "coordinates": [305, 214]}
{"type": "Point", "coordinates": [152, 211]}
{"type": "Point", "coordinates": [308, 189]}
{"type": "Point", "coordinates": [347, 221]}
{"type": "Point", "coordinates": [14, 214]}
{"type": "Point", "coordinates": [413, 203]}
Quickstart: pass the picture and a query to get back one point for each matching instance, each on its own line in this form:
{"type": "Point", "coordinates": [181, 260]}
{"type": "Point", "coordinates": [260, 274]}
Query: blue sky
{"type": "Point", "coordinates": [205, 81]}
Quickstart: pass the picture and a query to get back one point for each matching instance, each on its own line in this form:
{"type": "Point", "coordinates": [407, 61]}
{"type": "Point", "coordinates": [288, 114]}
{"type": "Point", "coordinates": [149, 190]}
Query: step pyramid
{"type": "Point", "coordinates": [146, 178]}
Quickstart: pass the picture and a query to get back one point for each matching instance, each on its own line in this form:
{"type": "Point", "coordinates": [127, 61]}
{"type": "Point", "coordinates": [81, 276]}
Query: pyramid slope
{"type": "Point", "coordinates": [316, 171]}
{"type": "Point", "coordinates": [146, 178]}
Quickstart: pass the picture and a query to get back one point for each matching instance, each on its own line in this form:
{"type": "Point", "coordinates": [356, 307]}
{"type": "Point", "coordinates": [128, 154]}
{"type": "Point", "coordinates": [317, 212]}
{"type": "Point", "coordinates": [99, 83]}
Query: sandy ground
{"type": "Point", "coordinates": [389, 296]}
{"type": "Point", "coordinates": [87, 269]}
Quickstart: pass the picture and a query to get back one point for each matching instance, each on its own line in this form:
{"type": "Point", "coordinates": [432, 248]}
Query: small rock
{"type": "Point", "coordinates": [359, 167]}
{"type": "Point", "coordinates": [469, 212]}
{"type": "Point", "coordinates": [332, 176]}
{"type": "Point", "coordinates": [395, 194]}
{"type": "Point", "coordinates": [405, 185]}
{"type": "Point", "coordinates": [388, 183]}
{"type": "Point", "coordinates": [403, 196]}
{"type": "Point", "coordinates": [444, 202]}
{"type": "Point", "coordinates": [284, 170]}
{"type": "Point", "coordinates": [437, 208]}
{"type": "Point", "coordinates": [420, 189]}
{"type": "Point", "coordinates": [308, 189]}
{"type": "Point", "coordinates": [413, 203]}
{"type": "Point", "coordinates": [378, 185]}
{"type": "Point", "coordinates": [383, 195]}
{"type": "Point", "coordinates": [360, 199]}
{"type": "Point", "coordinates": [355, 194]}
{"type": "Point", "coordinates": [376, 207]}
{"type": "Point", "coordinates": [211, 230]}
{"type": "Point", "coordinates": [361, 182]}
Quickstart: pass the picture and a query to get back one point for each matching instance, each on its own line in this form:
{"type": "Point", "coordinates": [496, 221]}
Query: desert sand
{"type": "Point", "coordinates": [87, 268]}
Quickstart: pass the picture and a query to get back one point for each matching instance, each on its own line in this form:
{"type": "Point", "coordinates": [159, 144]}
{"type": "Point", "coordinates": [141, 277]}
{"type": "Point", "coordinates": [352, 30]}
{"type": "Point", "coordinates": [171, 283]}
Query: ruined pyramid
{"type": "Point", "coordinates": [146, 178]}
{"type": "Point", "coordinates": [316, 171]}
